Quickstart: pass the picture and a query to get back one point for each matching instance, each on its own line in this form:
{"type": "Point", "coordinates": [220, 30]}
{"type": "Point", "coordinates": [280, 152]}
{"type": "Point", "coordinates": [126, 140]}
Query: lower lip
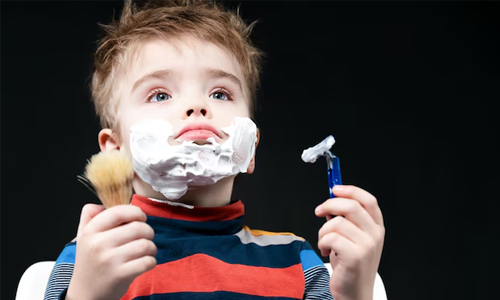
{"type": "Point", "coordinates": [197, 135]}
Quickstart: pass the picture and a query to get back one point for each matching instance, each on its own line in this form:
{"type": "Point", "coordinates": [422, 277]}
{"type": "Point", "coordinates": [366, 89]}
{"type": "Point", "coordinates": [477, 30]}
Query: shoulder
{"type": "Point", "coordinates": [67, 255]}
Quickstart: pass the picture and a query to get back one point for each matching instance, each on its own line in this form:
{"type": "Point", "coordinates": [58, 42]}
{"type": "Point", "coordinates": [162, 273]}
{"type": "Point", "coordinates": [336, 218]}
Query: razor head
{"type": "Point", "coordinates": [310, 155]}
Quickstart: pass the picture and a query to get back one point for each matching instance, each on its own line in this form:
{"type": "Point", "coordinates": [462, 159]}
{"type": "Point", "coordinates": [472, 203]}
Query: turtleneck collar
{"type": "Point", "coordinates": [196, 213]}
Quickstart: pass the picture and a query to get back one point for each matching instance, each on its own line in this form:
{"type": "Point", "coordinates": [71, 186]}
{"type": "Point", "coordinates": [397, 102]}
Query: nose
{"type": "Point", "coordinates": [197, 108]}
{"type": "Point", "coordinates": [201, 111]}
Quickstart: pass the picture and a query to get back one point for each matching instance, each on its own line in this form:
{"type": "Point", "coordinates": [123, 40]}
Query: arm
{"type": "Point", "coordinates": [60, 276]}
{"type": "Point", "coordinates": [315, 274]}
{"type": "Point", "coordinates": [353, 240]}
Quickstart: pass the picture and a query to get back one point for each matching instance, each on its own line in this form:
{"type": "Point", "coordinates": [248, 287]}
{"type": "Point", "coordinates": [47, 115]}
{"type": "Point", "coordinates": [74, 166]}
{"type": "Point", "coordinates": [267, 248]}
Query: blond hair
{"type": "Point", "coordinates": [168, 19]}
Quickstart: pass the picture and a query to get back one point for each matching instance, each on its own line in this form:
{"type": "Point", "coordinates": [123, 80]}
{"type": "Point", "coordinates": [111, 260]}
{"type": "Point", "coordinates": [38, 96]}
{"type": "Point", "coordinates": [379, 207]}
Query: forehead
{"type": "Point", "coordinates": [185, 55]}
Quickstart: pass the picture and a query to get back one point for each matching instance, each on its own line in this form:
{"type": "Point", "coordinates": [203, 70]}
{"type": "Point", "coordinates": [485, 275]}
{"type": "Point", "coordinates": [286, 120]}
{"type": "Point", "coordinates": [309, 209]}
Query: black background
{"type": "Point", "coordinates": [406, 88]}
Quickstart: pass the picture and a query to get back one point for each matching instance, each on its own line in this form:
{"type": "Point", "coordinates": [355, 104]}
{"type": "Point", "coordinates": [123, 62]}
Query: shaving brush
{"type": "Point", "coordinates": [110, 174]}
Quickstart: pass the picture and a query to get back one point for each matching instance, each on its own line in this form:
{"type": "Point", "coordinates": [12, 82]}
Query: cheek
{"type": "Point", "coordinates": [124, 128]}
{"type": "Point", "coordinates": [243, 111]}
{"type": "Point", "coordinates": [125, 140]}
{"type": "Point", "coordinates": [226, 115]}
{"type": "Point", "coordinates": [139, 114]}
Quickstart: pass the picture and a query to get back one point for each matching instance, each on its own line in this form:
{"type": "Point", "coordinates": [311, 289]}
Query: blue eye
{"type": "Point", "coordinates": [221, 95]}
{"type": "Point", "coordinates": [158, 97]}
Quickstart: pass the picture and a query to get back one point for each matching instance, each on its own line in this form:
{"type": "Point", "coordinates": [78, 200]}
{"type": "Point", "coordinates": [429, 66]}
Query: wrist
{"type": "Point", "coordinates": [360, 293]}
{"type": "Point", "coordinates": [74, 293]}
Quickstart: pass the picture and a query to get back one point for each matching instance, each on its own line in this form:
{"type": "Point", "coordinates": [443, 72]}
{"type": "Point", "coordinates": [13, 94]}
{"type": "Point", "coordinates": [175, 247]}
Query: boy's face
{"type": "Point", "coordinates": [187, 83]}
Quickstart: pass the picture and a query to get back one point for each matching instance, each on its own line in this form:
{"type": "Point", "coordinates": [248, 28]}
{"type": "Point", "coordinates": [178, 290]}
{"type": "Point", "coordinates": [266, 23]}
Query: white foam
{"type": "Point", "coordinates": [171, 170]}
{"type": "Point", "coordinates": [311, 154]}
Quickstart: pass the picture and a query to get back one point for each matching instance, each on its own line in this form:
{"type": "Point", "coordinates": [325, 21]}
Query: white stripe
{"type": "Point", "coordinates": [317, 283]}
{"type": "Point", "coordinates": [246, 237]}
{"type": "Point", "coordinates": [59, 280]}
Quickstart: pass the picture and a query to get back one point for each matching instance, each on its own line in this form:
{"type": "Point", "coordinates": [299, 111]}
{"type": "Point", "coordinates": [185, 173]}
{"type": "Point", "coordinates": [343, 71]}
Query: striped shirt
{"type": "Point", "coordinates": [207, 253]}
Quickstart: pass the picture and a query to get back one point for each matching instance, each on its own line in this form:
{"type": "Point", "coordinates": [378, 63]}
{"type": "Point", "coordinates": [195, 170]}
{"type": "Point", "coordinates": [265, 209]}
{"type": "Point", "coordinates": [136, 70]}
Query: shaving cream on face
{"type": "Point", "coordinates": [171, 170]}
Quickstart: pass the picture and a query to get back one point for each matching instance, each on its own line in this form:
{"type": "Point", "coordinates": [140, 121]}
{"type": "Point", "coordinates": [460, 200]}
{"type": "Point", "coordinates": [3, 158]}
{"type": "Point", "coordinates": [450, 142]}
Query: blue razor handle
{"type": "Point", "coordinates": [333, 168]}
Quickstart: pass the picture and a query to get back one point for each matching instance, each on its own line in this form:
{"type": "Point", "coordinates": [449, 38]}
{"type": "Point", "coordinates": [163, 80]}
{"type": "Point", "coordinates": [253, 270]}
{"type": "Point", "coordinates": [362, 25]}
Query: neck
{"type": "Point", "coordinates": [218, 194]}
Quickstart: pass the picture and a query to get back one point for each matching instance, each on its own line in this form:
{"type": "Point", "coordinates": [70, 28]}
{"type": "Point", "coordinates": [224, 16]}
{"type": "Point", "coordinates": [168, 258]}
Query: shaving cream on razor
{"type": "Point", "coordinates": [310, 155]}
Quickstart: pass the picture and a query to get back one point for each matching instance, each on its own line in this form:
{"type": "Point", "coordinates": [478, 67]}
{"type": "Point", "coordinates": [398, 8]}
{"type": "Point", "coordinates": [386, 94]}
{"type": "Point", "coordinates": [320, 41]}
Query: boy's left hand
{"type": "Point", "coordinates": [354, 242]}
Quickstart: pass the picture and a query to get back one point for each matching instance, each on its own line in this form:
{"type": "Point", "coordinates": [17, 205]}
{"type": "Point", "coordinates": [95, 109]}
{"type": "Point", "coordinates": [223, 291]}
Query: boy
{"type": "Point", "coordinates": [187, 72]}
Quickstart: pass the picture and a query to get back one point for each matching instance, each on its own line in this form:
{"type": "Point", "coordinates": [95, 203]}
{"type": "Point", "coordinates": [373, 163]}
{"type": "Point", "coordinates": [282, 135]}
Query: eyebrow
{"type": "Point", "coordinates": [162, 74]}
{"type": "Point", "coordinates": [159, 74]}
{"type": "Point", "coordinates": [222, 74]}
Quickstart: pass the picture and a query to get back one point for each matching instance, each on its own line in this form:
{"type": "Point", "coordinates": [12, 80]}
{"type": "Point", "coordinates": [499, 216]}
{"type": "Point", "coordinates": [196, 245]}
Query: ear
{"type": "Point", "coordinates": [251, 166]}
{"type": "Point", "coordinates": [108, 140]}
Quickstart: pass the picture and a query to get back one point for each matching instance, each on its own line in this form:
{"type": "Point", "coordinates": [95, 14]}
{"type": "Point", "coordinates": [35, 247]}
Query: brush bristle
{"type": "Point", "coordinates": [111, 174]}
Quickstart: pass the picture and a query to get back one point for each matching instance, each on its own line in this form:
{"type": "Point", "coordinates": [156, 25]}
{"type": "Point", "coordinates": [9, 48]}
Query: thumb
{"type": "Point", "coordinates": [89, 211]}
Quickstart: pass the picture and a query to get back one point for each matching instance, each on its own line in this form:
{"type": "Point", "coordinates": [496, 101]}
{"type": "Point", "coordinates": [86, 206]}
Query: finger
{"type": "Point", "coordinates": [343, 227]}
{"type": "Point", "coordinates": [367, 200]}
{"type": "Point", "coordinates": [115, 216]}
{"type": "Point", "coordinates": [128, 232]}
{"type": "Point", "coordinates": [336, 243]}
{"type": "Point", "coordinates": [350, 209]}
{"type": "Point", "coordinates": [137, 266]}
{"type": "Point", "coordinates": [89, 211]}
{"type": "Point", "coordinates": [135, 249]}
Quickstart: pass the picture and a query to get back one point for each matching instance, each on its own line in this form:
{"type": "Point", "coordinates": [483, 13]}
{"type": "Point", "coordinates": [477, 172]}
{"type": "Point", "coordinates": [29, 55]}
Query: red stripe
{"type": "Point", "coordinates": [165, 210]}
{"type": "Point", "coordinates": [203, 273]}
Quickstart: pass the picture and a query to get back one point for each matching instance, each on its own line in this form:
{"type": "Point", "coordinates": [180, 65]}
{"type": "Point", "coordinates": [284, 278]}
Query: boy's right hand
{"type": "Point", "coordinates": [114, 246]}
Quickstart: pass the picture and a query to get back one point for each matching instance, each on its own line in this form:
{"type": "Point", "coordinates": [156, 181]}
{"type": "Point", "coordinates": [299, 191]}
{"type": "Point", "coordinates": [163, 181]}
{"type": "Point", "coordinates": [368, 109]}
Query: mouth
{"type": "Point", "coordinates": [199, 133]}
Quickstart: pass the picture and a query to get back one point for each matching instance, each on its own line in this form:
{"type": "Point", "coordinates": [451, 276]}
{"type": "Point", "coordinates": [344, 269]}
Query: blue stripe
{"type": "Point", "coordinates": [68, 254]}
{"type": "Point", "coordinates": [174, 228]}
{"type": "Point", "coordinates": [309, 259]}
{"type": "Point", "coordinates": [176, 239]}
{"type": "Point", "coordinates": [228, 249]}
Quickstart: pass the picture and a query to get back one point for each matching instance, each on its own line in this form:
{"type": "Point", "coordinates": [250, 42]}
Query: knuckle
{"type": "Point", "coordinates": [84, 233]}
{"type": "Point", "coordinates": [382, 230]}
{"type": "Point", "coordinates": [381, 235]}
{"type": "Point", "coordinates": [149, 263]}
{"type": "Point", "coordinates": [114, 215]}
{"type": "Point", "coordinates": [144, 230]}
{"type": "Point", "coordinates": [370, 245]}
{"type": "Point", "coordinates": [135, 229]}
{"type": "Point", "coordinates": [358, 255]}
{"type": "Point", "coordinates": [137, 211]}
{"type": "Point", "coordinates": [144, 246]}
{"type": "Point", "coordinates": [348, 188]}
{"type": "Point", "coordinates": [108, 259]}
{"type": "Point", "coordinates": [152, 262]}
{"type": "Point", "coordinates": [333, 237]}
{"type": "Point", "coordinates": [352, 206]}
{"type": "Point", "coordinates": [154, 249]}
{"type": "Point", "coordinates": [122, 276]}
{"type": "Point", "coordinates": [372, 201]}
{"type": "Point", "coordinates": [336, 223]}
{"type": "Point", "coordinates": [95, 245]}
{"type": "Point", "coordinates": [86, 208]}
{"type": "Point", "coordinates": [331, 226]}
{"type": "Point", "coordinates": [150, 233]}
{"type": "Point", "coordinates": [123, 213]}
